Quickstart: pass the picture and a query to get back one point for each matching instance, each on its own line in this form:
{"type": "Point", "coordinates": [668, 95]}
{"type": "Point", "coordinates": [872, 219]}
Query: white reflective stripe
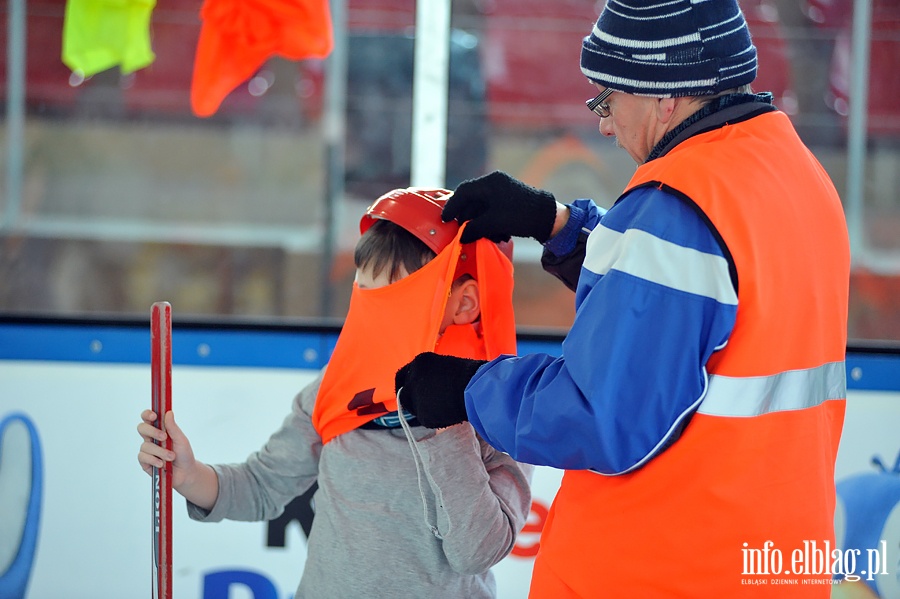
{"type": "Point", "coordinates": [757, 395]}
{"type": "Point", "coordinates": [648, 257]}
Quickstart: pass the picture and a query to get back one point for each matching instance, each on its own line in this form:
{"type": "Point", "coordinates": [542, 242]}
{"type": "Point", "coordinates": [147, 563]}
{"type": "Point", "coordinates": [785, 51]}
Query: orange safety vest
{"type": "Point", "coordinates": [753, 471]}
{"type": "Point", "coordinates": [387, 327]}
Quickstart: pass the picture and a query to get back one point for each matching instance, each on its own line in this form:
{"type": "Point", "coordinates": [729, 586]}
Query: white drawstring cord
{"type": "Point", "coordinates": [418, 461]}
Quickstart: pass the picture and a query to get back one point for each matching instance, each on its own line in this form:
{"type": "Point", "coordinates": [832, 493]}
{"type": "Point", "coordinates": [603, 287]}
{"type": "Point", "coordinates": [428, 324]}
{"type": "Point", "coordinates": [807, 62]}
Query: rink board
{"type": "Point", "coordinates": [74, 390]}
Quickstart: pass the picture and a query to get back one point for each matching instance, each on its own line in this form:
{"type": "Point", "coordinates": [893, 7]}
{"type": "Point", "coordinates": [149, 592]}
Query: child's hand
{"type": "Point", "coordinates": [152, 455]}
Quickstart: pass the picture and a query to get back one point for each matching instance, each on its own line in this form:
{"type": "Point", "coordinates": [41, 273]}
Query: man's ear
{"type": "Point", "coordinates": [666, 108]}
{"type": "Point", "coordinates": [468, 306]}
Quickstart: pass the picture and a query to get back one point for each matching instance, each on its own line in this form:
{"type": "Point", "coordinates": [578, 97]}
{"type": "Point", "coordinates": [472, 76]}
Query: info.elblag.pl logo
{"type": "Point", "coordinates": [816, 559]}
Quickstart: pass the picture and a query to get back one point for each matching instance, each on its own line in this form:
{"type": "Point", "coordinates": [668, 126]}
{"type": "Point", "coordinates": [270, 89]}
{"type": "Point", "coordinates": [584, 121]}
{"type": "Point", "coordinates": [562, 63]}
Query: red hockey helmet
{"type": "Point", "coordinates": [418, 210]}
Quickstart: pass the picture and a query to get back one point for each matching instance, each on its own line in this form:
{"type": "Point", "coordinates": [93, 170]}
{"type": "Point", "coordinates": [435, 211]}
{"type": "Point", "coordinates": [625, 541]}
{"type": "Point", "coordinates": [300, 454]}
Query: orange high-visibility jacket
{"type": "Point", "coordinates": [755, 465]}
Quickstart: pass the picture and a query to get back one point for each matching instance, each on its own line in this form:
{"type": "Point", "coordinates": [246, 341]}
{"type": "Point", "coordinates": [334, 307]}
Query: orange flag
{"type": "Point", "coordinates": [238, 36]}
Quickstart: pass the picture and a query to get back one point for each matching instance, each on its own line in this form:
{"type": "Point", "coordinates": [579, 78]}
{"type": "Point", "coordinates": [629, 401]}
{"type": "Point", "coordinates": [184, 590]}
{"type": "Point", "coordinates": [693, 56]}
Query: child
{"type": "Point", "coordinates": [424, 516]}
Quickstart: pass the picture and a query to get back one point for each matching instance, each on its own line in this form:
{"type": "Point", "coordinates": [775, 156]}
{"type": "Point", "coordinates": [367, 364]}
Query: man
{"type": "Point", "coordinates": [698, 402]}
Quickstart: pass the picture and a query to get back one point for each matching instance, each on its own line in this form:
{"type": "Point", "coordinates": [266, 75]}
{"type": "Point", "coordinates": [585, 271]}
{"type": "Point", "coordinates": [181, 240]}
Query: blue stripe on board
{"type": "Point", "coordinates": [874, 370]}
{"type": "Point", "coordinates": [197, 347]}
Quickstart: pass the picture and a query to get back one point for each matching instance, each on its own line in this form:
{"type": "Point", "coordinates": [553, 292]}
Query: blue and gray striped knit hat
{"type": "Point", "coordinates": [670, 48]}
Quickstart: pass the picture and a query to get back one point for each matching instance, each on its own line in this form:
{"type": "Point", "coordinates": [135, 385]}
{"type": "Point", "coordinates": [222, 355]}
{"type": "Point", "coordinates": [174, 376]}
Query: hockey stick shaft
{"type": "Point", "coordinates": [161, 401]}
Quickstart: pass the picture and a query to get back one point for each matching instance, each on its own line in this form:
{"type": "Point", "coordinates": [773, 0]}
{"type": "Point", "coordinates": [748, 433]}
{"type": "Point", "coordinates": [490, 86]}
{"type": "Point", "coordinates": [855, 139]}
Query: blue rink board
{"type": "Point", "coordinates": [258, 345]}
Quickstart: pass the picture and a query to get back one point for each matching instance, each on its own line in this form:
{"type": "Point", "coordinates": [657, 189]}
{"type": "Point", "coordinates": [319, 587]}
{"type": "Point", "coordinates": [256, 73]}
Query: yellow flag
{"type": "Point", "coordinates": [101, 34]}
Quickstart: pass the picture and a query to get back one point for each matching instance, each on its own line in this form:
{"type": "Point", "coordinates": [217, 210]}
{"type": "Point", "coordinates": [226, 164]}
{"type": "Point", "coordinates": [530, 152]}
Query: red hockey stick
{"type": "Point", "coordinates": [161, 505]}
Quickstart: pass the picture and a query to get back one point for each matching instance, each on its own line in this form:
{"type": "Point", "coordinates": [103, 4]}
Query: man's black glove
{"type": "Point", "coordinates": [432, 387]}
{"type": "Point", "coordinates": [499, 206]}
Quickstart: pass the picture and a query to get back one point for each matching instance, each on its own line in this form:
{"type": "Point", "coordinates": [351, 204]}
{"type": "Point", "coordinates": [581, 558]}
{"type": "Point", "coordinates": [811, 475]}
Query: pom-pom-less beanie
{"type": "Point", "coordinates": [666, 48]}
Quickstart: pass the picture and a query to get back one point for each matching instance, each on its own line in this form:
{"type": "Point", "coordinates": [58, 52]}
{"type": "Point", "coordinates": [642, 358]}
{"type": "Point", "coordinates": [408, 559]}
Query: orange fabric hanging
{"type": "Point", "coordinates": [238, 36]}
{"type": "Point", "coordinates": [387, 327]}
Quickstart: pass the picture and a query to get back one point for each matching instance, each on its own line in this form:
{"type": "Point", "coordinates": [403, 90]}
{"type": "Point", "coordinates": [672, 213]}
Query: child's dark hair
{"type": "Point", "coordinates": [388, 246]}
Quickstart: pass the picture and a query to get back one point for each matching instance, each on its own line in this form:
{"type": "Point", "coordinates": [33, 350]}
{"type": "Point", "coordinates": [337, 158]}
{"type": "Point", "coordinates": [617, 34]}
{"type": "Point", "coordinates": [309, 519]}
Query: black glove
{"type": "Point", "coordinates": [432, 387]}
{"type": "Point", "coordinates": [499, 206]}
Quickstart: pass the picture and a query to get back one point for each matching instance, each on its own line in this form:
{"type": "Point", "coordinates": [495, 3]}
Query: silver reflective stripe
{"type": "Point", "coordinates": [648, 257]}
{"type": "Point", "coordinates": [757, 395]}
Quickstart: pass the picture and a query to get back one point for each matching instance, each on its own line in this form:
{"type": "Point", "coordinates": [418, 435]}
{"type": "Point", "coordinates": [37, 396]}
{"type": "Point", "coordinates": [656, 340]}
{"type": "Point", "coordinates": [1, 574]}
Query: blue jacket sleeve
{"type": "Point", "coordinates": [564, 252]}
{"type": "Point", "coordinates": [654, 300]}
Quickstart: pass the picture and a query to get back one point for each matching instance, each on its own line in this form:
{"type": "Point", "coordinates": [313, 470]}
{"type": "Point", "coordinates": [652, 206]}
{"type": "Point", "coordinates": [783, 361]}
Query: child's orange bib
{"type": "Point", "coordinates": [387, 327]}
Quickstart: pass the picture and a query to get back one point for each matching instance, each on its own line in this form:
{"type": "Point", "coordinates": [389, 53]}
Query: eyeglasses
{"type": "Point", "coordinates": [597, 104]}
